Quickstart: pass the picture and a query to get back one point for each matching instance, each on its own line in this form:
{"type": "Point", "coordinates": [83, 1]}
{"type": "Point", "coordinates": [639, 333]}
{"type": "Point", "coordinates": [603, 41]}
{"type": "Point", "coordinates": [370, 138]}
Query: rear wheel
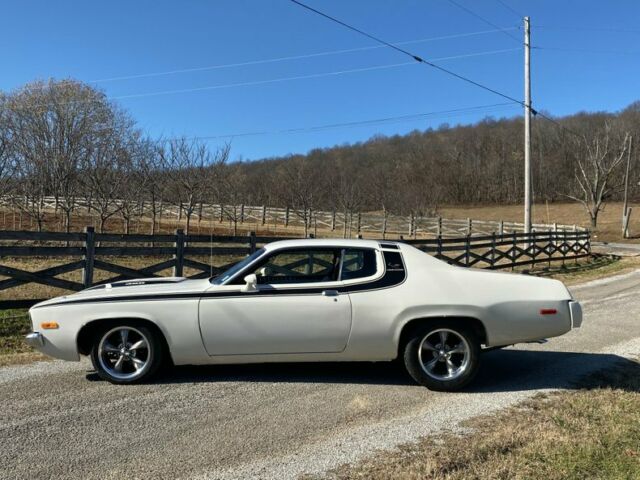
{"type": "Point", "coordinates": [126, 353]}
{"type": "Point", "coordinates": [443, 356]}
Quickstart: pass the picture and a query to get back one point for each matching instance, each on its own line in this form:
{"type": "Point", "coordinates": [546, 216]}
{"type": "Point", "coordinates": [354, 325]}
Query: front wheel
{"type": "Point", "coordinates": [443, 356]}
{"type": "Point", "coordinates": [126, 353]}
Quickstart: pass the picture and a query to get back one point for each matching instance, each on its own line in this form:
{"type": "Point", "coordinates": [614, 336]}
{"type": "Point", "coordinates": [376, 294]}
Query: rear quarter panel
{"type": "Point", "coordinates": [508, 305]}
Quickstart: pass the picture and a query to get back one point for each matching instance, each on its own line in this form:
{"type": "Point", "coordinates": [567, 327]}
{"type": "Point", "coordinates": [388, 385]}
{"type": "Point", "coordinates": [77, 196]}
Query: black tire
{"type": "Point", "coordinates": [136, 360]}
{"type": "Point", "coordinates": [458, 337]}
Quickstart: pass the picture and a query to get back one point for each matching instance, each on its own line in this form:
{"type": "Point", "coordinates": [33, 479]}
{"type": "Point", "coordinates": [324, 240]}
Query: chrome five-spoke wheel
{"type": "Point", "coordinates": [443, 355]}
{"type": "Point", "coordinates": [126, 353]}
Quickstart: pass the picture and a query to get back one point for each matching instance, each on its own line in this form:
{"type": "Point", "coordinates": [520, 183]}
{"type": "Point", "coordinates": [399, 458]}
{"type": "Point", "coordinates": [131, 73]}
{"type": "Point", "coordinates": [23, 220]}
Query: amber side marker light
{"type": "Point", "coordinates": [548, 311]}
{"type": "Point", "coordinates": [49, 325]}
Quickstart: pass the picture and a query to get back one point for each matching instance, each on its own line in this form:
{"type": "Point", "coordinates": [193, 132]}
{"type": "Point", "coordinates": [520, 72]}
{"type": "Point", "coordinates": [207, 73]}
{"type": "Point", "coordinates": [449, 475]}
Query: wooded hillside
{"type": "Point", "coordinates": [67, 140]}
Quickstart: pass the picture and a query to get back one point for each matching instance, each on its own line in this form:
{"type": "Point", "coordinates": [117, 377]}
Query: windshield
{"type": "Point", "coordinates": [227, 274]}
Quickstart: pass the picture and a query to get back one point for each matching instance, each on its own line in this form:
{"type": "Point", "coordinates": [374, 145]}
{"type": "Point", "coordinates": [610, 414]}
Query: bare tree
{"type": "Point", "coordinates": [299, 187]}
{"type": "Point", "coordinates": [7, 165]}
{"type": "Point", "coordinates": [107, 166]}
{"type": "Point", "coordinates": [54, 126]}
{"type": "Point", "coordinates": [190, 166]}
{"type": "Point", "coordinates": [597, 168]}
{"type": "Point", "coordinates": [230, 183]}
{"type": "Point", "coordinates": [152, 164]}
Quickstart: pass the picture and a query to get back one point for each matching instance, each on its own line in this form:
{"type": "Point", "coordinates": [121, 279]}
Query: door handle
{"type": "Point", "coordinates": [330, 293]}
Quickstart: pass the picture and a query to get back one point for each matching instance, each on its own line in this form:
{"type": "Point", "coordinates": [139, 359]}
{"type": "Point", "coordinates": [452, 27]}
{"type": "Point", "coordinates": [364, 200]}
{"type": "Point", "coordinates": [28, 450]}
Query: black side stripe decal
{"type": "Point", "coordinates": [395, 274]}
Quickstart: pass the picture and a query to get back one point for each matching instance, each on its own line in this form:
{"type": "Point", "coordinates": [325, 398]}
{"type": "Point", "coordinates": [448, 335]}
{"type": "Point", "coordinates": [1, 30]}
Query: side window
{"type": "Point", "coordinates": [299, 266]}
{"type": "Point", "coordinates": [358, 264]}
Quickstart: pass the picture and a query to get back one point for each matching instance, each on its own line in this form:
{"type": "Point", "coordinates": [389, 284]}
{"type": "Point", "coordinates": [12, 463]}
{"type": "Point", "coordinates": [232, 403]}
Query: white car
{"type": "Point", "coordinates": [308, 300]}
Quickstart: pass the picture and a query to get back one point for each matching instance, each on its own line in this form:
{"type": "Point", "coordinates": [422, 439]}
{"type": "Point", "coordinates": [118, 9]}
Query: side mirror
{"type": "Point", "coordinates": [250, 283]}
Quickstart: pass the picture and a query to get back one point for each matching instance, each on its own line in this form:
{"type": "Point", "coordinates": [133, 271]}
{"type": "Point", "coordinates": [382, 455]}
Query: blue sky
{"type": "Point", "coordinates": [103, 40]}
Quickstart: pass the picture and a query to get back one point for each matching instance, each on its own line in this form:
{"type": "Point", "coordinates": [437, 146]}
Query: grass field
{"type": "Point", "coordinates": [591, 433]}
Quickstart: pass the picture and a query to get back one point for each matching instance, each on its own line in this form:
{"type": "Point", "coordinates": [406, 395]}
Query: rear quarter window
{"type": "Point", "coordinates": [358, 263]}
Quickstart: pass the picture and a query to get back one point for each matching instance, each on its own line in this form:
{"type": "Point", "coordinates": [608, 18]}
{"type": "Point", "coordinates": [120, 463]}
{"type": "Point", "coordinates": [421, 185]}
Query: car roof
{"type": "Point", "coordinates": [323, 242]}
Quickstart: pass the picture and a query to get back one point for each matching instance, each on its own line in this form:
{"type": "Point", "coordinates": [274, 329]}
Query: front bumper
{"type": "Point", "coordinates": [576, 314]}
{"type": "Point", "coordinates": [35, 340]}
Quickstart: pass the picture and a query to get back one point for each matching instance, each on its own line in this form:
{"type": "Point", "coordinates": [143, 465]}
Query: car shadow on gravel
{"type": "Point", "coordinates": [501, 371]}
{"type": "Point", "coordinates": [510, 370]}
{"type": "Point", "coordinates": [382, 373]}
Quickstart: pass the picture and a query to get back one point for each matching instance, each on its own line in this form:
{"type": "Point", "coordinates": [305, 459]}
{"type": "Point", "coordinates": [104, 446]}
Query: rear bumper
{"type": "Point", "coordinates": [576, 314]}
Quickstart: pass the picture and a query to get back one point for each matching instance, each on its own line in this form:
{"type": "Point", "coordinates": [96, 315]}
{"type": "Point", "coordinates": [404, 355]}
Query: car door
{"type": "Point", "coordinates": [297, 308]}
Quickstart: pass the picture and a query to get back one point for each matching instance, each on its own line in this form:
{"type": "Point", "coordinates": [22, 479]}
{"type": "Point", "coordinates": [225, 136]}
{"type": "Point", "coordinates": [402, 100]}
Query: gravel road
{"type": "Point", "coordinates": [58, 420]}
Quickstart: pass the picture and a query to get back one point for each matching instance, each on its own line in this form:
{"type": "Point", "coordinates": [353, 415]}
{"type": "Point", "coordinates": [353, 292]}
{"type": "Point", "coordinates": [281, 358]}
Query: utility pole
{"type": "Point", "coordinates": [626, 211]}
{"type": "Point", "coordinates": [527, 127]}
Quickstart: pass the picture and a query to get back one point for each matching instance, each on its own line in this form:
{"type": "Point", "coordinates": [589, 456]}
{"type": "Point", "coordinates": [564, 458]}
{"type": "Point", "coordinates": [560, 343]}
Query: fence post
{"type": "Point", "coordinates": [179, 255]}
{"type": "Point", "coordinates": [467, 250]}
{"type": "Point", "coordinates": [242, 213]}
{"type": "Point", "coordinates": [264, 214]}
{"type": "Point", "coordinates": [359, 224]}
{"type": "Point", "coordinates": [439, 246]}
{"type": "Point", "coordinates": [384, 224]}
{"type": "Point", "coordinates": [469, 226]}
{"type": "Point", "coordinates": [286, 217]}
{"type": "Point", "coordinates": [564, 245]}
{"type": "Point", "coordinates": [493, 250]}
{"type": "Point", "coordinates": [550, 246]}
{"type": "Point", "coordinates": [439, 227]}
{"type": "Point", "coordinates": [501, 227]}
{"type": "Point", "coordinates": [513, 250]}
{"type": "Point", "coordinates": [333, 220]}
{"type": "Point", "coordinates": [89, 256]}
{"type": "Point", "coordinates": [252, 242]}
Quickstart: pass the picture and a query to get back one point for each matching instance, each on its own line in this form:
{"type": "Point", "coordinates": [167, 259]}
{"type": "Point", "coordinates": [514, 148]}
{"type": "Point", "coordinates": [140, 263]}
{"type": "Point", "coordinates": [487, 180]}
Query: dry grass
{"type": "Point", "coordinates": [14, 324]}
{"type": "Point", "coordinates": [591, 433]}
{"type": "Point", "coordinates": [609, 222]}
{"type": "Point", "coordinates": [601, 267]}
{"type": "Point", "coordinates": [22, 358]}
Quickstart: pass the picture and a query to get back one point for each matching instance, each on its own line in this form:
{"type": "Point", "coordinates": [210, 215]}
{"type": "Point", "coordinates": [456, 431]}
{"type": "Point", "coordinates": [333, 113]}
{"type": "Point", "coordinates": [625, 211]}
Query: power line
{"type": "Point", "coordinates": [376, 121]}
{"type": "Point", "coordinates": [488, 22]}
{"type": "Point", "coordinates": [589, 51]}
{"type": "Point", "coordinates": [297, 57]}
{"type": "Point", "coordinates": [262, 82]}
{"type": "Point", "coordinates": [512, 10]}
{"type": "Point", "coordinates": [405, 52]}
{"type": "Point", "coordinates": [588, 28]}
{"type": "Point", "coordinates": [278, 80]}
{"type": "Point", "coordinates": [302, 77]}
{"type": "Point", "coordinates": [291, 57]}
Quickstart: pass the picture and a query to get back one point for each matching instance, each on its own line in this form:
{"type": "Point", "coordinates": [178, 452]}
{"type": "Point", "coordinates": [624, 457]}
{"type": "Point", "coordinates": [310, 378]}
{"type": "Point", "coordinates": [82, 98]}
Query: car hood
{"type": "Point", "coordinates": [135, 287]}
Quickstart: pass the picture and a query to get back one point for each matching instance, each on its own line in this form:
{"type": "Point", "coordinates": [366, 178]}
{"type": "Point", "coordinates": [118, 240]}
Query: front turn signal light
{"type": "Point", "coordinates": [49, 325]}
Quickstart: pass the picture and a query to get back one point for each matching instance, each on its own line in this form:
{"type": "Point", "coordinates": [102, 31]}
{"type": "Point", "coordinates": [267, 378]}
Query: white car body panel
{"type": "Point", "coordinates": [204, 323]}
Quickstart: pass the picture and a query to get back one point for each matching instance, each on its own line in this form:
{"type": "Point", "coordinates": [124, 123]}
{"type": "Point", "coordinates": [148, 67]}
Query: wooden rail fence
{"type": "Point", "coordinates": [92, 251]}
{"type": "Point", "coordinates": [344, 224]}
